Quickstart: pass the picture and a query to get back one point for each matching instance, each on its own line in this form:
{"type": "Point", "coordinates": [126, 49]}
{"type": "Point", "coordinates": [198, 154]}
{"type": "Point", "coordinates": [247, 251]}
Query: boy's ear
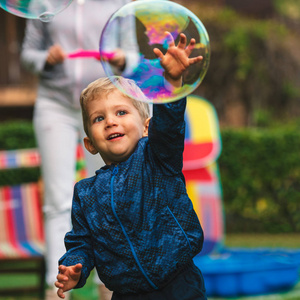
{"type": "Point", "coordinates": [146, 127]}
{"type": "Point", "coordinates": [89, 146]}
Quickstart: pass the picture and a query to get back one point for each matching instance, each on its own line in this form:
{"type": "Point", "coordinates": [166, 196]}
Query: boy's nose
{"type": "Point", "coordinates": [110, 121]}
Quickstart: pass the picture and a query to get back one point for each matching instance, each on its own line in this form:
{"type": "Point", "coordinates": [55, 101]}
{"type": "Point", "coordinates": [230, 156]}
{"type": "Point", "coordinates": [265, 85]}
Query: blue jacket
{"type": "Point", "coordinates": [134, 221]}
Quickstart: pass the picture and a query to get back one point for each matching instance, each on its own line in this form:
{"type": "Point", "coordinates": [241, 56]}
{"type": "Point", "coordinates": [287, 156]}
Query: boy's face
{"type": "Point", "coordinates": [115, 127]}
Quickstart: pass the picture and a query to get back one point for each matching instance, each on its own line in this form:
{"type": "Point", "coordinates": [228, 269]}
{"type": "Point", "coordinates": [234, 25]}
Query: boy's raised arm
{"type": "Point", "coordinates": [167, 127]}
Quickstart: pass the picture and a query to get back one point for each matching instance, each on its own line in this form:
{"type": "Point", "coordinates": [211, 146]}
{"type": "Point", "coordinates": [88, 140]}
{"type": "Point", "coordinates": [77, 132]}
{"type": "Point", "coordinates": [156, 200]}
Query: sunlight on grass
{"type": "Point", "coordinates": [17, 280]}
{"type": "Point", "coordinates": [263, 240]}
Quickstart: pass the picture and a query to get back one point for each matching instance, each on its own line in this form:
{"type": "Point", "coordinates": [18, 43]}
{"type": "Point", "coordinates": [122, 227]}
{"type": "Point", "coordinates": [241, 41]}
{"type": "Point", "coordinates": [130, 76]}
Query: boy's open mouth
{"type": "Point", "coordinates": [115, 135]}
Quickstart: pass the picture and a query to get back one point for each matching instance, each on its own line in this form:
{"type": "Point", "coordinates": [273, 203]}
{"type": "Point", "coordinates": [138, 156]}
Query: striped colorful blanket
{"type": "Point", "coordinates": [21, 221]}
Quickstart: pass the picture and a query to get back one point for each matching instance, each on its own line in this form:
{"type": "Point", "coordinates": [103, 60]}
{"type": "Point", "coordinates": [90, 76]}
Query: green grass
{"type": "Point", "coordinates": [263, 240]}
{"type": "Point", "coordinates": [90, 292]}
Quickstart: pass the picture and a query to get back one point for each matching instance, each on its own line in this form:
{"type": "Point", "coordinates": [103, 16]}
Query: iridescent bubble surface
{"type": "Point", "coordinates": [44, 10]}
{"type": "Point", "coordinates": [139, 27]}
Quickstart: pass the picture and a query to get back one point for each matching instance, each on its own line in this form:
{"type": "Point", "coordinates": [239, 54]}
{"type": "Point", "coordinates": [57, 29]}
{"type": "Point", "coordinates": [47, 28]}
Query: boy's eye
{"type": "Point", "coordinates": [121, 113]}
{"type": "Point", "coordinates": [98, 119]}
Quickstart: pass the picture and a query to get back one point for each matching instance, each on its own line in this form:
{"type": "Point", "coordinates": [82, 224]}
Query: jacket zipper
{"type": "Point", "coordinates": [180, 227]}
{"type": "Point", "coordinates": [114, 173]}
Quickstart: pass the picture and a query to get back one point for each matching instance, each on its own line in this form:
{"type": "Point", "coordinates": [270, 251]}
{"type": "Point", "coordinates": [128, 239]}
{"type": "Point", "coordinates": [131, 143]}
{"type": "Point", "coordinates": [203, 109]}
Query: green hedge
{"type": "Point", "coordinates": [260, 174]}
{"type": "Point", "coordinates": [17, 135]}
{"type": "Point", "coordinates": [19, 176]}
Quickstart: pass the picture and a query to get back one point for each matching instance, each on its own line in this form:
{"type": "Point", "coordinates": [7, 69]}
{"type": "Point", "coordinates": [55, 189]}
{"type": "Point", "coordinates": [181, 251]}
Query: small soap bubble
{"type": "Point", "coordinates": [46, 17]}
{"type": "Point", "coordinates": [139, 27]}
{"type": "Point", "coordinates": [43, 10]}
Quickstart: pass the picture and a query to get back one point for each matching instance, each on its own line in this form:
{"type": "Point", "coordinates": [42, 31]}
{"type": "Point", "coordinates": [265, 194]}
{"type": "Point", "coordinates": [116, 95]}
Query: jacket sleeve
{"type": "Point", "coordinates": [35, 46]}
{"type": "Point", "coordinates": [166, 135]}
{"type": "Point", "coordinates": [78, 242]}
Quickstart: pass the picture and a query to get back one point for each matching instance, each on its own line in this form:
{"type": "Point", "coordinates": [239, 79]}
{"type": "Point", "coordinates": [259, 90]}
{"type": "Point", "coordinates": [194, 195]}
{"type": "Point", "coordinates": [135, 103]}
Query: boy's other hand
{"type": "Point", "coordinates": [118, 60]}
{"type": "Point", "coordinates": [176, 60]}
{"type": "Point", "coordinates": [67, 278]}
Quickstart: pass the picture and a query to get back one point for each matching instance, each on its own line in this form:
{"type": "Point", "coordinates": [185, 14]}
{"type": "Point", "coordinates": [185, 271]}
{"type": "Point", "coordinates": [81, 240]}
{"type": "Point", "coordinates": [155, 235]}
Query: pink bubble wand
{"type": "Point", "coordinates": [90, 54]}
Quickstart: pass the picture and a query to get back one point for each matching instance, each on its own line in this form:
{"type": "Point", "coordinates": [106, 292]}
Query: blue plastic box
{"type": "Point", "coordinates": [240, 273]}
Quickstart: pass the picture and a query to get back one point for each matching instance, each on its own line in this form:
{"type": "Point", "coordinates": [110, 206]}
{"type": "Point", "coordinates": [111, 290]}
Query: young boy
{"type": "Point", "coordinates": [133, 220]}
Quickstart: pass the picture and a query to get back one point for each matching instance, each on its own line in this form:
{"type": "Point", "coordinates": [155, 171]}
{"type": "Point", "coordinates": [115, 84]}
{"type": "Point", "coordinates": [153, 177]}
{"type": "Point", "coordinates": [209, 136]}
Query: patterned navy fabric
{"type": "Point", "coordinates": [188, 285]}
{"type": "Point", "coordinates": [134, 221]}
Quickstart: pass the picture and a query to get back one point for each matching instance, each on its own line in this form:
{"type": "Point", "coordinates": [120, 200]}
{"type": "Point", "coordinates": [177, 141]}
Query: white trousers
{"type": "Point", "coordinates": [58, 130]}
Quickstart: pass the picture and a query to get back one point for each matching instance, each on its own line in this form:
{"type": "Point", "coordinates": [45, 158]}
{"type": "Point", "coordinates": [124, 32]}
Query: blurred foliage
{"type": "Point", "coordinates": [262, 118]}
{"type": "Point", "coordinates": [288, 8]}
{"type": "Point", "coordinates": [263, 240]}
{"type": "Point", "coordinates": [17, 135]}
{"type": "Point", "coordinates": [19, 176]}
{"type": "Point", "coordinates": [260, 175]}
{"type": "Point", "coordinates": [254, 62]}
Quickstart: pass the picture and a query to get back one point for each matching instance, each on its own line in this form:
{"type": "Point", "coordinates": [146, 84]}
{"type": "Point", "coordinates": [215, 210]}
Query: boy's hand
{"type": "Point", "coordinates": [67, 278]}
{"type": "Point", "coordinates": [177, 60]}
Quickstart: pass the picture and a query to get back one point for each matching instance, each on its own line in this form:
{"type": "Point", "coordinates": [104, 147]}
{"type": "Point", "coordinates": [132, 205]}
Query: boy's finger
{"type": "Point", "coordinates": [170, 39]}
{"type": "Point", "coordinates": [61, 277]}
{"type": "Point", "coordinates": [60, 293]}
{"type": "Point", "coordinates": [62, 269]}
{"type": "Point", "coordinates": [182, 41]}
{"type": "Point", "coordinates": [78, 268]}
{"type": "Point", "coordinates": [158, 53]}
{"type": "Point", "coordinates": [195, 59]}
{"type": "Point", "coordinates": [58, 284]}
{"type": "Point", "coordinates": [190, 47]}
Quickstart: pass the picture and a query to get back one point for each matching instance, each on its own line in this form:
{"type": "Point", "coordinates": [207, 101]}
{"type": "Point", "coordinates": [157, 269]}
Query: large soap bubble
{"type": "Point", "coordinates": [139, 27]}
{"type": "Point", "coordinates": [44, 10]}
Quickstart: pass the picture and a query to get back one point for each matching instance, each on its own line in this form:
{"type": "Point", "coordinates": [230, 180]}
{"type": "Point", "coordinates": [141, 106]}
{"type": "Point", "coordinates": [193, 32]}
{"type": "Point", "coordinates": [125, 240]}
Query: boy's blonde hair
{"type": "Point", "coordinates": [103, 87]}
